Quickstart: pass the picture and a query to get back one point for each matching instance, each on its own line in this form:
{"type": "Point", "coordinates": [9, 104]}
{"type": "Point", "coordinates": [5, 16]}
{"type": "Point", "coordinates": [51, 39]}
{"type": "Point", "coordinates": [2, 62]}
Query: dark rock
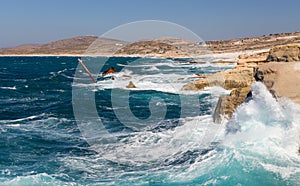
{"type": "Point", "coordinates": [258, 75]}
{"type": "Point", "coordinates": [111, 70]}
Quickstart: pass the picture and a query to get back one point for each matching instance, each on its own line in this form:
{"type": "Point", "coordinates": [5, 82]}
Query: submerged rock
{"type": "Point", "coordinates": [111, 70]}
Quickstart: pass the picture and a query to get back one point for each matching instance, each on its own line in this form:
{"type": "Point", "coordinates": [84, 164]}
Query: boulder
{"type": "Point", "coordinates": [196, 85]}
{"type": "Point", "coordinates": [131, 85]}
{"type": "Point", "coordinates": [284, 53]}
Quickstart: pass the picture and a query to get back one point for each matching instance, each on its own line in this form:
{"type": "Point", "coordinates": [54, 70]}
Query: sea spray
{"type": "Point", "coordinates": [41, 144]}
{"type": "Point", "coordinates": [264, 134]}
{"type": "Point", "coordinates": [259, 146]}
{"type": "Point", "coordinates": [261, 108]}
{"type": "Point", "coordinates": [263, 114]}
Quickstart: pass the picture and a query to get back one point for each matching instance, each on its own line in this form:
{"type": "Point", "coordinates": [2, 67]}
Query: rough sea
{"type": "Point", "coordinates": [59, 128]}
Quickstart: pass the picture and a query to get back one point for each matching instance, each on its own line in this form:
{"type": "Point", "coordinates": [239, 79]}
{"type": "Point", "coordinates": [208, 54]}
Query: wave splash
{"type": "Point", "coordinates": [258, 146]}
{"type": "Point", "coordinates": [263, 137]}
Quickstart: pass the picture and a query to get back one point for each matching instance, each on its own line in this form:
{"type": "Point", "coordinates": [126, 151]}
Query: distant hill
{"type": "Point", "coordinates": [151, 47]}
{"type": "Point", "coordinates": [163, 47]}
{"type": "Point", "coordinates": [254, 43]}
{"type": "Point", "coordinates": [76, 45]}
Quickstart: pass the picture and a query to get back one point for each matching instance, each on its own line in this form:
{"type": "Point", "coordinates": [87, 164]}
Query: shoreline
{"type": "Point", "coordinates": [229, 56]}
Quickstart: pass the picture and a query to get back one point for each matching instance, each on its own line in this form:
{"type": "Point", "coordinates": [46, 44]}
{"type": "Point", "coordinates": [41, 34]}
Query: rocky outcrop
{"type": "Point", "coordinates": [238, 80]}
{"type": "Point", "coordinates": [285, 53]}
{"type": "Point", "coordinates": [282, 79]}
{"type": "Point", "coordinates": [239, 77]}
{"type": "Point", "coordinates": [228, 79]}
{"type": "Point", "coordinates": [227, 104]}
{"type": "Point", "coordinates": [251, 61]}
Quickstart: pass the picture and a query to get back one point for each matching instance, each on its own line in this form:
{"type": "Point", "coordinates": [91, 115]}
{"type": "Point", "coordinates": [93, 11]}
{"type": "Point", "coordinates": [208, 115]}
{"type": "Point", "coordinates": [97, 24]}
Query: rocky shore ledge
{"type": "Point", "coordinates": [278, 69]}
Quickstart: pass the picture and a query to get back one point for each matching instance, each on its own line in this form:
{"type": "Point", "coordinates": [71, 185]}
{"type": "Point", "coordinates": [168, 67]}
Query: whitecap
{"type": "Point", "coordinates": [9, 88]}
{"type": "Point", "coordinates": [22, 119]}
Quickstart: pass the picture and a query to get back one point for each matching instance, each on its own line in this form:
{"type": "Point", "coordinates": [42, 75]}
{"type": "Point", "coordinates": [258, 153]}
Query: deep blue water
{"type": "Point", "coordinates": [155, 134]}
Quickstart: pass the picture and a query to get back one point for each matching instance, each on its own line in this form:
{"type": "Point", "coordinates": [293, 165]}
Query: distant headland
{"type": "Point", "coordinates": [164, 47]}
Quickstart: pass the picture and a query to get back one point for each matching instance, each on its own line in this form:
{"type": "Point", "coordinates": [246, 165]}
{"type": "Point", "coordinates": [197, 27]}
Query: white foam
{"type": "Point", "coordinates": [9, 88]}
{"type": "Point", "coordinates": [268, 138]}
{"type": "Point", "coordinates": [160, 75]}
{"type": "Point", "coordinates": [285, 172]}
{"type": "Point", "coordinates": [169, 83]}
{"type": "Point", "coordinates": [22, 119]}
{"type": "Point", "coordinates": [147, 146]}
{"type": "Point", "coordinates": [13, 125]}
{"type": "Point", "coordinates": [267, 130]}
{"type": "Point", "coordinates": [37, 179]}
{"type": "Point", "coordinates": [153, 68]}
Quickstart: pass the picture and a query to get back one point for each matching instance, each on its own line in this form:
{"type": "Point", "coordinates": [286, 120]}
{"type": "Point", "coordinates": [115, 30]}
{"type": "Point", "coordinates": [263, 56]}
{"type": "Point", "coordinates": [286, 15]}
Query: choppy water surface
{"type": "Point", "coordinates": [155, 134]}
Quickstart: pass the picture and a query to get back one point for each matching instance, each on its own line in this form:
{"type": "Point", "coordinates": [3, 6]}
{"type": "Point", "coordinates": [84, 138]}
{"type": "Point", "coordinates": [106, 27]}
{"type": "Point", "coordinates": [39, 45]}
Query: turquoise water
{"type": "Point", "coordinates": [155, 134]}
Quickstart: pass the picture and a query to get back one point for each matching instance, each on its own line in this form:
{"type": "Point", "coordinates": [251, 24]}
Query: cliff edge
{"type": "Point", "coordinates": [278, 69]}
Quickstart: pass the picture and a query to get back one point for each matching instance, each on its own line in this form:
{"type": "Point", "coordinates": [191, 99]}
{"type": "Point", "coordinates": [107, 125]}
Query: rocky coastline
{"type": "Point", "coordinates": [273, 60]}
{"type": "Point", "coordinates": [271, 68]}
{"type": "Point", "coordinates": [264, 58]}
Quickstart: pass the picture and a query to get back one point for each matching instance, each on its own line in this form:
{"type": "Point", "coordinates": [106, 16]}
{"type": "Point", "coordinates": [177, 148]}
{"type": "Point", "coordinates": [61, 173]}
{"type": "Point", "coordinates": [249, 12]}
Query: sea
{"type": "Point", "coordinates": [57, 127]}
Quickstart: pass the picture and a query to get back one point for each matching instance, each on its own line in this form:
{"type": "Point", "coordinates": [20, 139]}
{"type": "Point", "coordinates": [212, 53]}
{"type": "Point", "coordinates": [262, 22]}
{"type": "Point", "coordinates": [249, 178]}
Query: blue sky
{"type": "Point", "coordinates": [41, 21]}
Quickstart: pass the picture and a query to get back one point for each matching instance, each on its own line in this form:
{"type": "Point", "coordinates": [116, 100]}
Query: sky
{"type": "Point", "coordinates": [42, 21]}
